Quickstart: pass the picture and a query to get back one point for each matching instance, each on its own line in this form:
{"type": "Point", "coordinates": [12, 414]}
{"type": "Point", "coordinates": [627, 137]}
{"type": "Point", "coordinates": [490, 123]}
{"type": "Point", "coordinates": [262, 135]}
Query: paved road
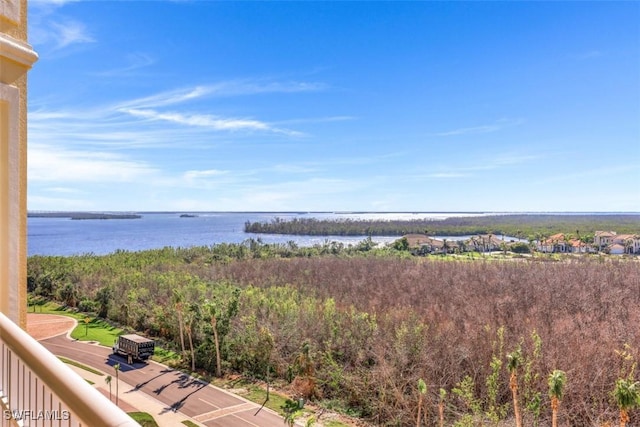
{"type": "Point", "coordinates": [179, 392]}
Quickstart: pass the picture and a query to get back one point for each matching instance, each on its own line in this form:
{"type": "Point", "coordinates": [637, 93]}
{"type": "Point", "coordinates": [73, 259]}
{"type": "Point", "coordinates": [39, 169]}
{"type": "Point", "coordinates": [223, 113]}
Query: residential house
{"type": "Point", "coordinates": [423, 244]}
{"type": "Point", "coordinates": [615, 249]}
{"type": "Point", "coordinates": [555, 244]}
{"type": "Point", "coordinates": [26, 367]}
{"type": "Point", "coordinates": [485, 243]}
{"type": "Point", "coordinates": [580, 247]}
{"type": "Point", "coordinates": [602, 239]}
{"type": "Point", "coordinates": [630, 242]}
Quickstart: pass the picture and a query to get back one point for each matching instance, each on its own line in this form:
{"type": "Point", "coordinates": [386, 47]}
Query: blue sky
{"type": "Point", "coordinates": [367, 106]}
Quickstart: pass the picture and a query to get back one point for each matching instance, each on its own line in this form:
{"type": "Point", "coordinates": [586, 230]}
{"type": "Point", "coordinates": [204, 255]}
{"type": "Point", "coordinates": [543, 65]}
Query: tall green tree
{"type": "Point", "coordinates": [178, 303]}
{"type": "Point", "coordinates": [191, 316]}
{"type": "Point", "coordinates": [627, 397]}
{"type": "Point", "coordinates": [117, 369]}
{"type": "Point", "coordinates": [104, 296]}
{"type": "Point", "coordinates": [107, 380]}
{"type": "Point", "coordinates": [422, 390]}
{"type": "Point", "coordinates": [220, 313]}
{"type": "Point", "coordinates": [443, 396]}
{"type": "Point", "coordinates": [557, 380]}
{"type": "Point", "coordinates": [514, 360]}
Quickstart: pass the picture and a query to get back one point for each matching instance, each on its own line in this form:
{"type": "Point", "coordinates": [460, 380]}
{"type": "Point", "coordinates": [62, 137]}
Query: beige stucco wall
{"type": "Point", "coordinates": [16, 58]}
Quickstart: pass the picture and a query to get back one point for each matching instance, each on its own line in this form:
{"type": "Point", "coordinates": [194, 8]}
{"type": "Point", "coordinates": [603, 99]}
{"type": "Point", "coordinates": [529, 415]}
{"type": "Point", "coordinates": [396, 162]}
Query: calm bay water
{"type": "Point", "coordinates": [63, 236]}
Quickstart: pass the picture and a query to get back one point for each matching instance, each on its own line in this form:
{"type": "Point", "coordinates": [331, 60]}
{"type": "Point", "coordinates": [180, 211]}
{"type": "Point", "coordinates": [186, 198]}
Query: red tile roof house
{"type": "Point", "coordinates": [485, 243]}
{"type": "Point", "coordinates": [580, 247]}
{"type": "Point", "coordinates": [425, 244]}
{"type": "Point", "coordinates": [615, 249]}
{"type": "Point", "coordinates": [555, 244]}
{"type": "Point", "coordinates": [602, 239]}
{"type": "Point", "coordinates": [630, 242]}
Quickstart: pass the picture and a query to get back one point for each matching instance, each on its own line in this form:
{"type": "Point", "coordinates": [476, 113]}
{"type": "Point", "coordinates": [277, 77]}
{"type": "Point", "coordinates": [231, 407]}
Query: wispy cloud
{"type": "Point", "coordinates": [261, 86]}
{"type": "Point", "coordinates": [213, 122]}
{"type": "Point", "coordinates": [135, 62]}
{"type": "Point", "coordinates": [56, 164]}
{"type": "Point", "coordinates": [488, 128]}
{"type": "Point", "coordinates": [166, 98]}
{"type": "Point", "coordinates": [57, 34]}
{"type": "Point", "coordinates": [318, 120]}
{"type": "Point", "coordinates": [70, 32]}
{"type": "Point", "coordinates": [52, 2]}
{"type": "Point", "coordinates": [283, 195]}
{"type": "Point", "coordinates": [481, 166]}
{"type": "Point", "coordinates": [221, 89]}
{"type": "Point", "coordinates": [603, 172]}
{"type": "Point", "coordinates": [156, 120]}
{"type": "Point", "coordinates": [197, 174]}
{"type": "Point", "coordinates": [447, 175]}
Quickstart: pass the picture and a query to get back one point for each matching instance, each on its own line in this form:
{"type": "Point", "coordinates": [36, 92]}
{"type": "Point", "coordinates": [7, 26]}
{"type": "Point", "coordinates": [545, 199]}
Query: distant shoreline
{"type": "Point", "coordinates": [530, 226]}
{"type": "Point", "coordinates": [83, 215]}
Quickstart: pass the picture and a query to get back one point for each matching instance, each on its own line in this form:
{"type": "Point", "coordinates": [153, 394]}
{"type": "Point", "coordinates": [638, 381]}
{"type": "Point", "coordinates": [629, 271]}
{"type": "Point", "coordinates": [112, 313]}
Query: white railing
{"type": "Point", "coordinates": [37, 389]}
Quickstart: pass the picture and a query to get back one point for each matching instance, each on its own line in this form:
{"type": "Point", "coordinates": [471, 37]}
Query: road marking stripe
{"type": "Point", "coordinates": [246, 421]}
{"type": "Point", "coordinates": [209, 403]}
{"type": "Point", "coordinates": [223, 412]}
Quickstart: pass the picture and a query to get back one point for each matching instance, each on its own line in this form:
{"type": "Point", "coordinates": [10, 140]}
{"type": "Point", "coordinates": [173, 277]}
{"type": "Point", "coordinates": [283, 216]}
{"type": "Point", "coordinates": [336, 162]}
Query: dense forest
{"type": "Point", "coordinates": [376, 333]}
{"type": "Point", "coordinates": [531, 226]}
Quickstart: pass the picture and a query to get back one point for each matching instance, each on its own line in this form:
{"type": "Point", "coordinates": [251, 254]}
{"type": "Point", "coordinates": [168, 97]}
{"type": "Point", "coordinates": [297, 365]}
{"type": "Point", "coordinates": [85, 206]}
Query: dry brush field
{"type": "Point", "coordinates": [439, 321]}
{"type": "Point", "coordinates": [358, 332]}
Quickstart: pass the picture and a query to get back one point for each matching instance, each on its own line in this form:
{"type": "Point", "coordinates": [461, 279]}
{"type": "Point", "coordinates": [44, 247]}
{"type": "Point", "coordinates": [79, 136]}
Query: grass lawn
{"type": "Point", "coordinates": [143, 418]}
{"type": "Point", "coordinates": [165, 356]}
{"type": "Point", "coordinates": [80, 365]}
{"type": "Point", "coordinates": [100, 331]}
{"type": "Point", "coordinates": [189, 423]}
{"type": "Point", "coordinates": [276, 401]}
{"type": "Point", "coordinates": [96, 330]}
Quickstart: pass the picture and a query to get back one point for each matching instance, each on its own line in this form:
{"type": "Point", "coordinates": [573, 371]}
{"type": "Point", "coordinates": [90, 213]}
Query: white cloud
{"type": "Point", "coordinates": [57, 35]}
{"type": "Point", "coordinates": [56, 3]}
{"type": "Point", "coordinates": [70, 32]}
{"type": "Point", "coordinates": [62, 190]}
{"type": "Point", "coordinates": [43, 202]}
{"type": "Point", "coordinates": [135, 61]}
{"type": "Point", "coordinates": [56, 165]}
{"type": "Point", "coordinates": [166, 98]}
{"type": "Point", "coordinates": [494, 127]}
{"type": "Point", "coordinates": [220, 89]}
{"type": "Point", "coordinates": [204, 173]}
{"type": "Point", "coordinates": [209, 121]}
{"type": "Point", "coordinates": [447, 175]}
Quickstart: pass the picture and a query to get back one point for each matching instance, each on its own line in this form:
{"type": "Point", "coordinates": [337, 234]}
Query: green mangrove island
{"type": "Point", "coordinates": [524, 226]}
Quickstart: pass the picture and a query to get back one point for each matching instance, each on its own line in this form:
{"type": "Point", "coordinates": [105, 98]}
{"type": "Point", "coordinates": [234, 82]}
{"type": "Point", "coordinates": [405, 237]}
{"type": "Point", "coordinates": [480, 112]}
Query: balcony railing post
{"type": "Point", "coordinates": [48, 376]}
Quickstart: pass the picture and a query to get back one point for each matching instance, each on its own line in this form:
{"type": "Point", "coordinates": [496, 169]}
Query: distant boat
{"type": "Point", "coordinates": [188, 216]}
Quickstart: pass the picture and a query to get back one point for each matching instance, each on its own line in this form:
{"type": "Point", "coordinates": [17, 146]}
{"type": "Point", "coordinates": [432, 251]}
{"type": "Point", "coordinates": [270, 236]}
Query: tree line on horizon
{"type": "Point", "coordinates": [522, 226]}
{"type": "Point", "coordinates": [356, 332]}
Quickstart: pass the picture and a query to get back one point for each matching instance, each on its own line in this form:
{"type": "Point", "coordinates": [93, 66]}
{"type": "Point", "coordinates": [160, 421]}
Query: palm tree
{"type": "Point", "coordinates": [210, 309]}
{"type": "Point", "coordinates": [292, 410]}
{"type": "Point", "coordinates": [443, 396]}
{"type": "Point", "coordinates": [514, 360]}
{"type": "Point", "coordinates": [108, 381]}
{"type": "Point", "coordinates": [557, 380]}
{"type": "Point", "coordinates": [117, 368]}
{"type": "Point", "coordinates": [422, 389]}
{"type": "Point", "coordinates": [190, 316]}
{"type": "Point", "coordinates": [627, 396]}
{"type": "Point", "coordinates": [178, 302]}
